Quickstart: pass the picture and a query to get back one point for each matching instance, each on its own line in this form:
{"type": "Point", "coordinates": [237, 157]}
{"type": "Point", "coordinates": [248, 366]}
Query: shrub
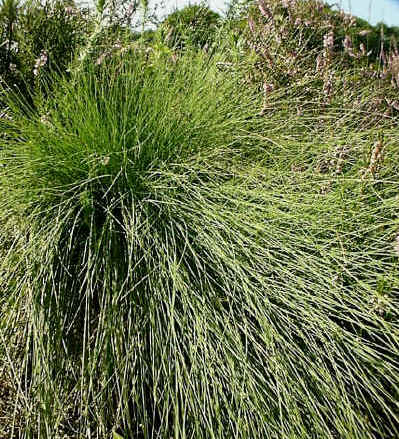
{"type": "Point", "coordinates": [322, 55]}
{"type": "Point", "coordinates": [8, 48]}
{"type": "Point", "coordinates": [44, 37]}
{"type": "Point", "coordinates": [193, 26]}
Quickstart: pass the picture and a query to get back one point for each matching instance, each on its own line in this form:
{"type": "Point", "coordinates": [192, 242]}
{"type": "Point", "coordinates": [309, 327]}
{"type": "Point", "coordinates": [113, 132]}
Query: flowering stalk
{"type": "Point", "coordinates": [40, 62]}
{"type": "Point", "coordinates": [396, 245]}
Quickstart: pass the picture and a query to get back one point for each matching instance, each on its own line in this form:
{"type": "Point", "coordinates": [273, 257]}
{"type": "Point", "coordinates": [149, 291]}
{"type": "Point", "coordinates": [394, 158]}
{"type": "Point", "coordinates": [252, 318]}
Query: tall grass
{"type": "Point", "coordinates": [185, 268]}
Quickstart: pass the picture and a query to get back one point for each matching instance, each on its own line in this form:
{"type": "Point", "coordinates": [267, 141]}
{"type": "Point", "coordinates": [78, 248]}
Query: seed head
{"type": "Point", "coordinates": [396, 245]}
{"type": "Point", "coordinates": [328, 41]}
{"type": "Point", "coordinates": [267, 87]}
{"type": "Point", "coordinates": [40, 62]}
{"type": "Point", "coordinates": [264, 10]}
{"type": "Point", "coordinates": [251, 24]}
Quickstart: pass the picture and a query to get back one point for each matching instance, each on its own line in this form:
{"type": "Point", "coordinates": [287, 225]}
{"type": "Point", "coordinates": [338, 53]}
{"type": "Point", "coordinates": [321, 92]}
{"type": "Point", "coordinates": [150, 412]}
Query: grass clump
{"type": "Point", "coordinates": [113, 165]}
{"type": "Point", "coordinates": [177, 264]}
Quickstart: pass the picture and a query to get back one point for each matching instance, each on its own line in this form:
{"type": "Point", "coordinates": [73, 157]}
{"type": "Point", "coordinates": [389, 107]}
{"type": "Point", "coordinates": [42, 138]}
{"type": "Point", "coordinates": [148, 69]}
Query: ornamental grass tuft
{"type": "Point", "coordinates": [176, 265]}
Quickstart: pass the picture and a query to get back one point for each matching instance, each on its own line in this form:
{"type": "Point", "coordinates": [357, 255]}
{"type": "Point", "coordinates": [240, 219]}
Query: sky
{"type": "Point", "coordinates": [371, 10]}
{"type": "Point", "coordinates": [374, 10]}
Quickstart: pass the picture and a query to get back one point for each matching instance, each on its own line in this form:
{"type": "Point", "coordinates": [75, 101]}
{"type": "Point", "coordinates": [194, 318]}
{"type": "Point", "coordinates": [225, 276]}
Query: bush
{"type": "Point", "coordinates": [324, 56]}
{"type": "Point", "coordinates": [8, 48]}
{"type": "Point", "coordinates": [44, 37]}
{"type": "Point", "coordinates": [193, 26]}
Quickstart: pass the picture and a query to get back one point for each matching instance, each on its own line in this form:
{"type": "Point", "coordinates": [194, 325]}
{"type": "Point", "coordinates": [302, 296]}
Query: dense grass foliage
{"type": "Point", "coordinates": [193, 249]}
{"type": "Point", "coordinates": [111, 161]}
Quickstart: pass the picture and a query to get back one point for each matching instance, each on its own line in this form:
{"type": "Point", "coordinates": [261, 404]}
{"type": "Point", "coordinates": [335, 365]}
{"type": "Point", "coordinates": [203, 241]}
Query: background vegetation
{"type": "Point", "coordinates": [38, 38]}
{"type": "Point", "coordinates": [199, 231]}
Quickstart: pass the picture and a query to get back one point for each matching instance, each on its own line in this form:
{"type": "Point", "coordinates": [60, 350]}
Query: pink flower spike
{"type": "Point", "coordinates": [264, 10]}
{"type": "Point", "coordinates": [251, 24]}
